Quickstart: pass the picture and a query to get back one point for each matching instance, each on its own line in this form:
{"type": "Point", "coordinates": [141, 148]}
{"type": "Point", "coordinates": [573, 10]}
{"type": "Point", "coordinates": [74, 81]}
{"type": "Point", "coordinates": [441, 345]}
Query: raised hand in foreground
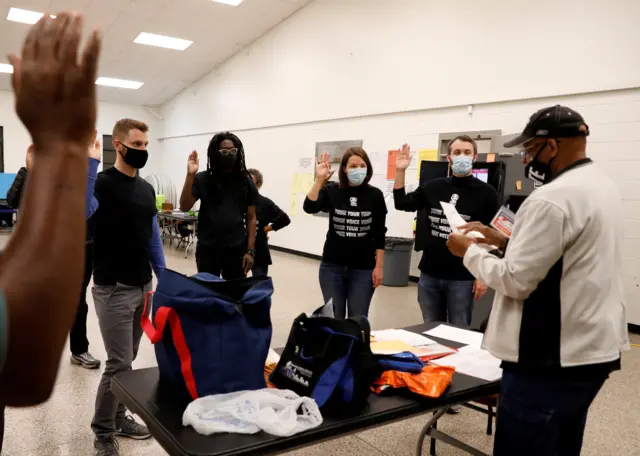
{"type": "Point", "coordinates": [42, 266]}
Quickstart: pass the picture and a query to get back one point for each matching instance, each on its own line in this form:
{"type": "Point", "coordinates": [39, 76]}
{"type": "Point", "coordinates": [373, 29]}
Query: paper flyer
{"type": "Point", "coordinates": [391, 164]}
{"type": "Point", "coordinates": [306, 165]}
{"type": "Point", "coordinates": [503, 221]}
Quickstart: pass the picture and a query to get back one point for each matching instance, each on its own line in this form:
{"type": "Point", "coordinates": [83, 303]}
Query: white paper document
{"type": "Point", "coordinates": [464, 336]}
{"type": "Point", "coordinates": [409, 338]}
{"type": "Point", "coordinates": [455, 220]}
{"type": "Point", "coordinates": [474, 362]}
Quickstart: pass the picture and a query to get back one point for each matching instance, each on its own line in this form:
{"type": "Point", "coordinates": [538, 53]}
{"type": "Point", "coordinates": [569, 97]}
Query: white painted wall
{"type": "Point", "coordinates": [395, 71]}
{"type": "Point", "coordinates": [346, 58]}
{"type": "Point", "coordinates": [16, 137]}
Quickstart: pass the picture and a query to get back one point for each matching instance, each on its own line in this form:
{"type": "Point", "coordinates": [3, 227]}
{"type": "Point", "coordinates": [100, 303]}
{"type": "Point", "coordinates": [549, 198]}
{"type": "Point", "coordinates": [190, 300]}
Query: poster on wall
{"type": "Point", "coordinates": [335, 150]}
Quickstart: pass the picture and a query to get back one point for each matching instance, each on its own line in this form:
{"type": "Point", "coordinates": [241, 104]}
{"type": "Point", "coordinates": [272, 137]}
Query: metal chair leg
{"type": "Point", "coordinates": [490, 420]}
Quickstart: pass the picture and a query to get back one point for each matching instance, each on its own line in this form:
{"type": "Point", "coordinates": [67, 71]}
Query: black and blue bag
{"type": "Point", "coordinates": [330, 361]}
{"type": "Point", "coordinates": [202, 326]}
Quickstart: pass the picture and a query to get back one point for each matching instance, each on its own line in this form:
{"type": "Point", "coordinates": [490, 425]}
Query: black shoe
{"type": "Point", "coordinates": [454, 409]}
{"type": "Point", "coordinates": [106, 447]}
{"type": "Point", "coordinates": [129, 428]}
{"type": "Point", "coordinates": [85, 360]}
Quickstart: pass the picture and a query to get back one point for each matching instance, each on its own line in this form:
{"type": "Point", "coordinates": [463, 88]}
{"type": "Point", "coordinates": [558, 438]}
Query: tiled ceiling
{"type": "Point", "coordinates": [217, 30]}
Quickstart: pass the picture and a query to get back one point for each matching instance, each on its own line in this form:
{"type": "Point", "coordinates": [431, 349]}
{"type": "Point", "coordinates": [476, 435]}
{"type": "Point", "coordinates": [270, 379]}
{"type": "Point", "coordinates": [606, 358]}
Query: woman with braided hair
{"type": "Point", "coordinates": [226, 244]}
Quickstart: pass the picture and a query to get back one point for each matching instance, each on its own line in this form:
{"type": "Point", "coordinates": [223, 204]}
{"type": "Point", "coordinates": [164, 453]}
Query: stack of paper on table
{"type": "Point", "coordinates": [464, 336]}
{"type": "Point", "coordinates": [473, 361]}
{"type": "Point", "coordinates": [393, 341]}
{"type": "Point", "coordinates": [413, 339]}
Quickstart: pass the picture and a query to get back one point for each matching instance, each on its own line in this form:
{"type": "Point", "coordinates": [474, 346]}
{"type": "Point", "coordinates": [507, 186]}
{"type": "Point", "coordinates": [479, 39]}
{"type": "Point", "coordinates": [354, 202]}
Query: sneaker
{"type": "Point", "coordinates": [454, 409]}
{"type": "Point", "coordinates": [129, 428]}
{"type": "Point", "coordinates": [85, 360]}
{"type": "Point", "coordinates": [106, 447]}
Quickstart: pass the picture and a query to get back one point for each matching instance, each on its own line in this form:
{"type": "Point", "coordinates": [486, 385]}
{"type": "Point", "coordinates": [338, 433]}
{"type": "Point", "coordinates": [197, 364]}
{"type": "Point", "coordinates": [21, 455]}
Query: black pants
{"type": "Point", "coordinates": [543, 417]}
{"type": "Point", "coordinates": [260, 269]}
{"type": "Point", "coordinates": [225, 263]}
{"type": "Point", "coordinates": [78, 341]}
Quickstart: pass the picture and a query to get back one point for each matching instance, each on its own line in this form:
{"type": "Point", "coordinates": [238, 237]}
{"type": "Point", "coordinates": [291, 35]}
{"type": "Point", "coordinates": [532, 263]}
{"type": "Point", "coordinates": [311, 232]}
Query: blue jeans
{"type": "Point", "coordinates": [445, 300]}
{"type": "Point", "coordinates": [350, 289]}
{"type": "Point", "coordinates": [539, 416]}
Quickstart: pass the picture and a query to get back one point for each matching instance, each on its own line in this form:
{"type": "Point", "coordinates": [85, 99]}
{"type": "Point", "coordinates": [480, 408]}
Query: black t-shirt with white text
{"type": "Point", "coordinates": [474, 200]}
{"type": "Point", "coordinates": [223, 209]}
{"type": "Point", "coordinates": [357, 217]}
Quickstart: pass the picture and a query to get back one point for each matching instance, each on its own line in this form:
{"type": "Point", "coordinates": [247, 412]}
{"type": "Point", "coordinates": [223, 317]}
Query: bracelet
{"type": "Point", "coordinates": [252, 252]}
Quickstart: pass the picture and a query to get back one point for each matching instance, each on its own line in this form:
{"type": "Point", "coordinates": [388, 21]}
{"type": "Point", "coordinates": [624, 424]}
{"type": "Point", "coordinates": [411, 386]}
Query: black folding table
{"type": "Point", "coordinates": [140, 392]}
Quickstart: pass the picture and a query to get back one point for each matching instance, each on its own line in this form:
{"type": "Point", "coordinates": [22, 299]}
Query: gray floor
{"type": "Point", "coordinates": [61, 426]}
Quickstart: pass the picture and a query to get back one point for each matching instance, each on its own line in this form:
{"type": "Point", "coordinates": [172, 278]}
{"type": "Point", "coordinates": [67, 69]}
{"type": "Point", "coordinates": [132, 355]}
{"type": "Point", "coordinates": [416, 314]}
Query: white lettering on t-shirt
{"type": "Point", "coordinates": [354, 224]}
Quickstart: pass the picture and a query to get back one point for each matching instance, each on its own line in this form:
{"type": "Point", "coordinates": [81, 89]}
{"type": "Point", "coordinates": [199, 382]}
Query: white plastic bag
{"type": "Point", "coordinates": [277, 412]}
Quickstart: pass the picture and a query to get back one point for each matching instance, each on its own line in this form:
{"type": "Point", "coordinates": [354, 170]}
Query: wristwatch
{"type": "Point", "coordinates": [252, 252]}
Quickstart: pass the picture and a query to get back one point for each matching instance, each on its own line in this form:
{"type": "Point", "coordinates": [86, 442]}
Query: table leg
{"type": "Point", "coordinates": [430, 429]}
{"type": "Point", "coordinates": [427, 427]}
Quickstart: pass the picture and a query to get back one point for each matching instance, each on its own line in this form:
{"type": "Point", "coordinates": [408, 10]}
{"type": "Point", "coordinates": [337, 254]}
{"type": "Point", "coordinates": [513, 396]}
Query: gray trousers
{"type": "Point", "coordinates": [119, 309]}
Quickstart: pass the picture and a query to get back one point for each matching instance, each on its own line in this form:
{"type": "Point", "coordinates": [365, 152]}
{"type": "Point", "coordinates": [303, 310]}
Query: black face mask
{"type": "Point", "coordinates": [539, 172]}
{"type": "Point", "coordinates": [136, 158]}
{"type": "Point", "coordinates": [226, 162]}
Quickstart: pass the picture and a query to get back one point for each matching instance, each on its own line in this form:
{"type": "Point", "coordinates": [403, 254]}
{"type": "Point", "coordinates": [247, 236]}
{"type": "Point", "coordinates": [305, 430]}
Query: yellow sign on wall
{"type": "Point", "coordinates": [426, 155]}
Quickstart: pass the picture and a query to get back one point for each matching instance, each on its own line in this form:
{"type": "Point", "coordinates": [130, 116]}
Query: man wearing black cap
{"type": "Point", "coordinates": [558, 321]}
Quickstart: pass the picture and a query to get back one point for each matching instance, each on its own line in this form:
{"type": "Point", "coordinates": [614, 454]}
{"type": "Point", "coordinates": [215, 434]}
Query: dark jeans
{"type": "Point", "coordinates": [78, 341]}
{"type": "Point", "coordinates": [542, 417]}
{"type": "Point", "coordinates": [225, 263]}
{"type": "Point", "coordinates": [260, 270]}
{"type": "Point", "coordinates": [445, 300]}
{"type": "Point", "coordinates": [350, 289]}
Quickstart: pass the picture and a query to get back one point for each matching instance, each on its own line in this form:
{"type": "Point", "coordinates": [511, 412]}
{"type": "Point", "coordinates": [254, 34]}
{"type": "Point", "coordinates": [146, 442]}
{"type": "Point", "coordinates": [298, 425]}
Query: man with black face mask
{"type": "Point", "coordinates": [227, 216]}
{"type": "Point", "coordinates": [558, 321]}
{"type": "Point", "coordinates": [127, 246]}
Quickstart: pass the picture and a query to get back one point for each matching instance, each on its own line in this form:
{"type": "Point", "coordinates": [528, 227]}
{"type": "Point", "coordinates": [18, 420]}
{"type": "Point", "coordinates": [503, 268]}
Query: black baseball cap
{"type": "Point", "coordinates": [554, 122]}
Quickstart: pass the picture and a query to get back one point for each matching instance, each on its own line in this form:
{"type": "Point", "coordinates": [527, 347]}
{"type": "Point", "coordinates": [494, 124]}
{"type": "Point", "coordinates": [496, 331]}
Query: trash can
{"type": "Point", "coordinates": [397, 261]}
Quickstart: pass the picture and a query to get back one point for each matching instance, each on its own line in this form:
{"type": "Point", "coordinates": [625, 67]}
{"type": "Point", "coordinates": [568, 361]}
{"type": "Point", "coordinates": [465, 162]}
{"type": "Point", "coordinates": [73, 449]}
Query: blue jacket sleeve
{"type": "Point", "coordinates": [156, 251]}
{"type": "Point", "coordinates": [92, 202]}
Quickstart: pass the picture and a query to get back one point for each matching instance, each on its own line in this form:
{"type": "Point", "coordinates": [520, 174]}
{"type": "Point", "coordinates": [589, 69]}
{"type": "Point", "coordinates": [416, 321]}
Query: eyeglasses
{"type": "Point", "coordinates": [232, 151]}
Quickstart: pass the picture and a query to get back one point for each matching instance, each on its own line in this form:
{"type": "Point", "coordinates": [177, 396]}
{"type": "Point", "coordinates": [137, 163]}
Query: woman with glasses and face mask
{"type": "Point", "coordinates": [226, 247]}
{"type": "Point", "coordinates": [353, 254]}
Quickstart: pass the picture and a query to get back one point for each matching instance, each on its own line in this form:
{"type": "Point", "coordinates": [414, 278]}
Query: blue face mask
{"type": "Point", "coordinates": [461, 164]}
{"type": "Point", "coordinates": [357, 176]}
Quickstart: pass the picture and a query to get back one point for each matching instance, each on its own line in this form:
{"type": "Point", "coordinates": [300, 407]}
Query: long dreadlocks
{"type": "Point", "coordinates": [239, 171]}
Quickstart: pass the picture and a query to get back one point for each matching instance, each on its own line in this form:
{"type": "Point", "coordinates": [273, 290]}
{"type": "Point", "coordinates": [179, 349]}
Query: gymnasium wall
{"type": "Point", "coordinates": [16, 137]}
{"type": "Point", "coordinates": [395, 71]}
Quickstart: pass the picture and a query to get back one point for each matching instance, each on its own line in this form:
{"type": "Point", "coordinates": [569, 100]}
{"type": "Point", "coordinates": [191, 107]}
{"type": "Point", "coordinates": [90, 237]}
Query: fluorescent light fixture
{"type": "Point", "coordinates": [228, 2]}
{"type": "Point", "coordinates": [162, 41]}
{"type": "Point", "coordinates": [119, 83]}
{"type": "Point", "coordinates": [24, 16]}
{"type": "Point", "coordinates": [6, 68]}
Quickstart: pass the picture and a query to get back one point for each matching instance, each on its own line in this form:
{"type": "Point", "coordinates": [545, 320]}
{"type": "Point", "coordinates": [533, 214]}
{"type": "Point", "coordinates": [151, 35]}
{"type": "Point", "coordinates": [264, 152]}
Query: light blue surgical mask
{"type": "Point", "coordinates": [461, 164]}
{"type": "Point", "coordinates": [357, 176]}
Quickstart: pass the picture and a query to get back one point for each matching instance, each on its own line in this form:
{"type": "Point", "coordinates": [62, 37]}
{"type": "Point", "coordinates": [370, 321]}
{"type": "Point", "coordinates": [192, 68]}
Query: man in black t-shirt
{"type": "Point", "coordinates": [446, 289]}
{"type": "Point", "coordinates": [227, 215]}
{"type": "Point", "coordinates": [127, 247]}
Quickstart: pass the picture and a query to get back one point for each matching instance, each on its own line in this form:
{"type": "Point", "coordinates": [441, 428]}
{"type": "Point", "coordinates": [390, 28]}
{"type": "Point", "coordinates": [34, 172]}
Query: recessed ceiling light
{"type": "Point", "coordinates": [228, 2]}
{"type": "Point", "coordinates": [119, 83]}
{"type": "Point", "coordinates": [162, 41]}
{"type": "Point", "coordinates": [6, 68]}
{"type": "Point", "coordinates": [24, 16]}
